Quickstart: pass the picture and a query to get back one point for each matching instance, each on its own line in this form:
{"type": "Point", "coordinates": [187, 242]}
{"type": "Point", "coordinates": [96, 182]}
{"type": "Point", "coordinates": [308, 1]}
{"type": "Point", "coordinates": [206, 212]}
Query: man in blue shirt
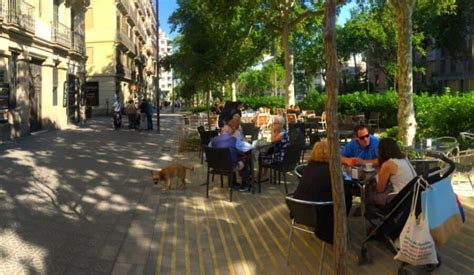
{"type": "Point", "coordinates": [362, 148]}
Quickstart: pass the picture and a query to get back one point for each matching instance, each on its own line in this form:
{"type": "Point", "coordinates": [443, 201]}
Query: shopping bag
{"type": "Point", "coordinates": [444, 217]}
{"type": "Point", "coordinates": [416, 244]}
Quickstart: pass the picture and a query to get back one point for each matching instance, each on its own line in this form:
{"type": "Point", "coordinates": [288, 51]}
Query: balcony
{"type": "Point", "coordinates": [78, 43]}
{"type": "Point", "coordinates": [140, 7]}
{"type": "Point", "coordinates": [126, 9]}
{"type": "Point", "coordinates": [20, 16]}
{"type": "Point", "coordinates": [150, 66]}
{"type": "Point", "coordinates": [140, 32]}
{"type": "Point", "coordinates": [150, 26]}
{"type": "Point", "coordinates": [78, 3]}
{"type": "Point", "coordinates": [61, 34]}
{"type": "Point", "coordinates": [150, 47]}
{"type": "Point", "coordinates": [123, 39]}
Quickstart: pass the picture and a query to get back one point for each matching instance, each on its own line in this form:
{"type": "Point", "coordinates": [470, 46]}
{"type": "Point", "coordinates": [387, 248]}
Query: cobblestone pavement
{"type": "Point", "coordinates": [73, 201]}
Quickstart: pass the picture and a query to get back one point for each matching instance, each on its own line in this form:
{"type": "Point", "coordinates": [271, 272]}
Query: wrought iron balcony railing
{"type": "Point", "coordinates": [78, 43]}
{"type": "Point", "coordinates": [21, 15]}
{"type": "Point", "coordinates": [125, 40]}
{"type": "Point", "coordinates": [61, 34]}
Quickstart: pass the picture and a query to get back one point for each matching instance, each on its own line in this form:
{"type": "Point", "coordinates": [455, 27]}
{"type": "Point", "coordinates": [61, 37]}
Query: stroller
{"type": "Point", "coordinates": [390, 220]}
{"type": "Point", "coordinates": [117, 120]}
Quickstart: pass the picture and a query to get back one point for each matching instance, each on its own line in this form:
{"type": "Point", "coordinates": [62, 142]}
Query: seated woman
{"type": "Point", "coordinates": [280, 140]}
{"type": "Point", "coordinates": [315, 185]}
{"type": "Point", "coordinates": [395, 172]}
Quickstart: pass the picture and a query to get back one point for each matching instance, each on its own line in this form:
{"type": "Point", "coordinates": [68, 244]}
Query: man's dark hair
{"type": "Point", "coordinates": [220, 123]}
{"type": "Point", "coordinates": [388, 148]}
{"type": "Point", "coordinates": [359, 127]}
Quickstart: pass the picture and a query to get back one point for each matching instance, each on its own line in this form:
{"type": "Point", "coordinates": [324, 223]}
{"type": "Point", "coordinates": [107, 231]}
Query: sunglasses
{"type": "Point", "coordinates": [363, 137]}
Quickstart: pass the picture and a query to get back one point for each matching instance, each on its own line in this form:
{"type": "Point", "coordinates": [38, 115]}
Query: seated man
{"type": "Point", "coordinates": [226, 140]}
{"type": "Point", "coordinates": [361, 149]}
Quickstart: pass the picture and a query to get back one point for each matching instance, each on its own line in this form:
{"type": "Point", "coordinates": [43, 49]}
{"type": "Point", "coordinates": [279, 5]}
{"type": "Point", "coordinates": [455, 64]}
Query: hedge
{"type": "Point", "coordinates": [436, 115]}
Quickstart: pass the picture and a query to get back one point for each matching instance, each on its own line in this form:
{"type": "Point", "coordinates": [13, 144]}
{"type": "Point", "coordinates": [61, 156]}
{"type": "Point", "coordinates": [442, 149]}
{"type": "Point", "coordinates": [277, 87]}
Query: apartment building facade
{"type": "Point", "coordinates": [42, 65]}
{"type": "Point", "coordinates": [166, 77]}
{"type": "Point", "coordinates": [121, 50]}
{"type": "Point", "coordinates": [443, 71]}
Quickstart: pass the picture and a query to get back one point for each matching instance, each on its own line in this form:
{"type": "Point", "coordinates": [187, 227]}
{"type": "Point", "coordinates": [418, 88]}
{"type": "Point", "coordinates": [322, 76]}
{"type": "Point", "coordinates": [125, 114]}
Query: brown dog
{"type": "Point", "coordinates": [169, 172]}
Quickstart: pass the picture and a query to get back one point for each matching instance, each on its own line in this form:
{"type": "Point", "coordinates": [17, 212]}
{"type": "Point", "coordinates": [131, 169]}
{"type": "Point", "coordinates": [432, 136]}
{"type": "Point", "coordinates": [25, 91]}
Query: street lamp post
{"type": "Point", "coordinates": [157, 86]}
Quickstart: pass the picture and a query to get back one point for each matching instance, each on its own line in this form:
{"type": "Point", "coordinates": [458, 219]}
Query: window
{"type": "Point", "coordinates": [453, 66]}
{"type": "Point", "coordinates": [55, 85]}
{"type": "Point", "coordinates": [442, 69]}
{"type": "Point", "coordinates": [89, 18]}
{"type": "Point", "coordinates": [90, 55]}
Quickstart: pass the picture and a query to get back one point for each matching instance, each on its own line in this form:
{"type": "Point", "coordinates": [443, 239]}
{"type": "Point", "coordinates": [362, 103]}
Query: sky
{"type": "Point", "coordinates": [168, 6]}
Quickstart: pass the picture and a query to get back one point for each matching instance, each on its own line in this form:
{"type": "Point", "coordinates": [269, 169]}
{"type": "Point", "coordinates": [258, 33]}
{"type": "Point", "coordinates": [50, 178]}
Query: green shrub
{"type": "Point", "coordinates": [443, 115]}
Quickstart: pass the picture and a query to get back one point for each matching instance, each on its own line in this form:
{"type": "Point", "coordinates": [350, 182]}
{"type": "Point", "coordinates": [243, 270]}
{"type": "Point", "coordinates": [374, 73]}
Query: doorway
{"type": "Point", "coordinates": [34, 96]}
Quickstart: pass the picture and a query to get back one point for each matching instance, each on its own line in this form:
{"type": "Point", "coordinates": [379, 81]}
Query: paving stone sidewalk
{"type": "Point", "coordinates": [80, 201]}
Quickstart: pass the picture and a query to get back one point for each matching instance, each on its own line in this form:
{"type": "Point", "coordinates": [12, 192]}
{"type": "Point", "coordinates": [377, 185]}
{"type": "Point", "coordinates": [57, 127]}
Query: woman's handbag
{"type": "Point", "coordinates": [416, 244]}
{"type": "Point", "coordinates": [444, 217]}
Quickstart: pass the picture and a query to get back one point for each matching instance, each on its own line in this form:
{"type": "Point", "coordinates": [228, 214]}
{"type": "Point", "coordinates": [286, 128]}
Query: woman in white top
{"type": "Point", "coordinates": [395, 172]}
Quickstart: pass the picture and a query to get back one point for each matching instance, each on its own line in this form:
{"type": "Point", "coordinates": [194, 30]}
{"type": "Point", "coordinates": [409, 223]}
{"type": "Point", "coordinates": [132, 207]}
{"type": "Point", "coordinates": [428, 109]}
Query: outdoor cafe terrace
{"type": "Point", "coordinates": [250, 234]}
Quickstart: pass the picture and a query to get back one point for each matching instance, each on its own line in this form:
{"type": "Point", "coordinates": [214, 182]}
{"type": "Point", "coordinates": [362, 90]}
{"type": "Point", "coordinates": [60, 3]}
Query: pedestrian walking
{"type": "Point", "coordinates": [143, 117]}
{"type": "Point", "coordinates": [149, 115]}
{"type": "Point", "coordinates": [131, 112]}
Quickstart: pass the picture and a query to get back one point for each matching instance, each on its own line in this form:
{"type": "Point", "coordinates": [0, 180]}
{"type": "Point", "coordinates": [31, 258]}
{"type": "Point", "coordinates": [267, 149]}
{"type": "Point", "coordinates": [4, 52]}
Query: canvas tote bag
{"type": "Point", "coordinates": [416, 244]}
{"type": "Point", "coordinates": [444, 216]}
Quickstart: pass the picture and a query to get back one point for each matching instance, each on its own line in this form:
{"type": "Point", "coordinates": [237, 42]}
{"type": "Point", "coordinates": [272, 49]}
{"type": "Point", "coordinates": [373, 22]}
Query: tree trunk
{"type": "Point", "coordinates": [275, 84]}
{"type": "Point", "coordinates": [332, 86]}
{"type": "Point", "coordinates": [356, 69]}
{"type": "Point", "coordinates": [406, 114]}
{"type": "Point", "coordinates": [208, 100]}
{"type": "Point", "coordinates": [289, 58]}
{"type": "Point", "coordinates": [234, 90]}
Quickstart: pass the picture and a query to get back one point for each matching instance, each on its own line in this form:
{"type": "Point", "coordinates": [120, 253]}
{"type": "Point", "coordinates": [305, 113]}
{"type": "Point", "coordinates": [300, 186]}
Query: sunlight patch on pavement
{"type": "Point", "coordinates": [20, 157]}
{"type": "Point", "coordinates": [166, 157]}
{"type": "Point", "coordinates": [144, 164]}
{"type": "Point", "coordinates": [11, 241]}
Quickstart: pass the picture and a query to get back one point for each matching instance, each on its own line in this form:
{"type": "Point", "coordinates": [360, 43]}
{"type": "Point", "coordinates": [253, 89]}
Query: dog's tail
{"type": "Point", "coordinates": [189, 167]}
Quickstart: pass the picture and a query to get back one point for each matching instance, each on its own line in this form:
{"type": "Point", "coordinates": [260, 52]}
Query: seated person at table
{"type": "Point", "coordinates": [361, 149]}
{"type": "Point", "coordinates": [280, 139]}
{"type": "Point", "coordinates": [315, 185]}
{"type": "Point", "coordinates": [226, 140]}
{"type": "Point", "coordinates": [395, 172]}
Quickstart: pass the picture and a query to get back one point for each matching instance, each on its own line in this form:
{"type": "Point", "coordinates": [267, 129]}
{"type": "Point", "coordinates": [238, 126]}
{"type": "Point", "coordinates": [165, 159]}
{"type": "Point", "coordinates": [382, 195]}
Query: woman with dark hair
{"type": "Point", "coordinates": [395, 172]}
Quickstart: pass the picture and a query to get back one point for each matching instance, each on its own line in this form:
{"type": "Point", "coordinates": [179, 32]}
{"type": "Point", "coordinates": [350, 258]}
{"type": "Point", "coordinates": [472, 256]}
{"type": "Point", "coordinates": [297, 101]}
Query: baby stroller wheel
{"type": "Point", "coordinates": [431, 267]}
{"type": "Point", "coordinates": [364, 256]}
{"type": "Point", "coordinates": [402, 270]}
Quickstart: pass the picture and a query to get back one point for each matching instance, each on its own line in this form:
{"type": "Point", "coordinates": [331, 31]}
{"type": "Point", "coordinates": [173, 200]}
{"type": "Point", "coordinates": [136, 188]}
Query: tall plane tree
{"type": "Point", "coordinates": [406, 112]}
{"type": "Point", "coordinates": [281, 17]}
{"type": "Point", "coordinates": [332, 88]}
